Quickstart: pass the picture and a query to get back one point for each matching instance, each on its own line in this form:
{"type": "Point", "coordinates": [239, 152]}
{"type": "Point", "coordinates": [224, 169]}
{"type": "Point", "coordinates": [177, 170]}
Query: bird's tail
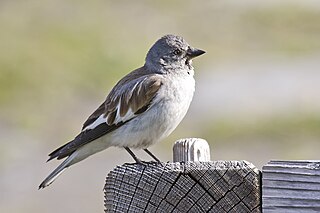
{"type": "Point", "coordinates": [53, 176]}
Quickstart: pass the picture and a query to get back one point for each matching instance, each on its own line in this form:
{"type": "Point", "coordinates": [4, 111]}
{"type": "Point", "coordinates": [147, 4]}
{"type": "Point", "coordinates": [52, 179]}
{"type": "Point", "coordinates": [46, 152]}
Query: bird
{"type": "Point", "coordinates": [143, 108]}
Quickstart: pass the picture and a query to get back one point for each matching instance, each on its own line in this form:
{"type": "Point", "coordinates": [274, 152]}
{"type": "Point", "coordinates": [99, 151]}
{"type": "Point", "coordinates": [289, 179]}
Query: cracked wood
{"type": "Point", "coordinates": [216, 186]}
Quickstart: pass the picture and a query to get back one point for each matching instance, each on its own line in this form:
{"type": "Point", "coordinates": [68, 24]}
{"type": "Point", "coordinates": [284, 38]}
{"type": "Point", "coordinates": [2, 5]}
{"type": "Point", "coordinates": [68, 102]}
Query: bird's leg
{"type": "Point", "coordinates": [152, 155]}
{"type": "Point", "coordinates": [133, 155]}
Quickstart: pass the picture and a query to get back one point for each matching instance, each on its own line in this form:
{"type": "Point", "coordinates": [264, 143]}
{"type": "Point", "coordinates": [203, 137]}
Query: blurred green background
{"type": "Point", "coordinates": [257, 95]}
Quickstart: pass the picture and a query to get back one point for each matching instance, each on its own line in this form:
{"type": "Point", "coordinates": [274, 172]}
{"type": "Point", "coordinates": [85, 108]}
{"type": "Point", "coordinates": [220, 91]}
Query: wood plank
{"type": "Point", "coordinates": [291, 186]}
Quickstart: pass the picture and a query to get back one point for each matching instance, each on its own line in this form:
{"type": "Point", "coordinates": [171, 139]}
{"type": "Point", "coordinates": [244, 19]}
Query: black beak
{"type": "Point", "coordinates": [193, 52]}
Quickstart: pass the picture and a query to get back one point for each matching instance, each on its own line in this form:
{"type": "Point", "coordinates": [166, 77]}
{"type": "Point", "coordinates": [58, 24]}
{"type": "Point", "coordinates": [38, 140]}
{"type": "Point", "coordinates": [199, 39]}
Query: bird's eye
{"type": "Point", "coordinates": [177, 52]}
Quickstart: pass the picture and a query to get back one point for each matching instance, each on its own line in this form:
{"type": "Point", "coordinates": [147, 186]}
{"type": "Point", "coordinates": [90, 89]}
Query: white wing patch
{"type": "Point", "coordinates": [126, 117]}
{"type": "Point", "coordinates": [101, 119]}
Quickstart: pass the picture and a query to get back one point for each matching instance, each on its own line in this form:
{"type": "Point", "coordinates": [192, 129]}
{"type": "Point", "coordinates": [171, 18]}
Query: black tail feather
{"type": "Point", "coordinates": [56, 153]}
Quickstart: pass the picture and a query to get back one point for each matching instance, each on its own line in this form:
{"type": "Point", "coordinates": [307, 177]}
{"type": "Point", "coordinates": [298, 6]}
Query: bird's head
{"type": "Point", "coordinates": [171, 52]}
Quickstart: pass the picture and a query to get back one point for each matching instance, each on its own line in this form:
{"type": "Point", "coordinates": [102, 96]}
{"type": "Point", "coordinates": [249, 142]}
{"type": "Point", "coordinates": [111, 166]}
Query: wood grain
{"type": "Point", "coordinates": [291, 186]}
{"type": "Point", "coordinates": [218, 186]}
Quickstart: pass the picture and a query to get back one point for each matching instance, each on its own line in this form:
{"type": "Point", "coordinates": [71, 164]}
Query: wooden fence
{"type": "Point", "coordinates": [193, 183]}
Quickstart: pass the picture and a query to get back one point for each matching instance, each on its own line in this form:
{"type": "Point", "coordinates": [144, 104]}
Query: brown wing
{"type": "Point", "coordinates": [123, 105]}
{"type": "Point", "coordinates": [125, 88]}
{"type": "Point", "coordinates": [132, 96]}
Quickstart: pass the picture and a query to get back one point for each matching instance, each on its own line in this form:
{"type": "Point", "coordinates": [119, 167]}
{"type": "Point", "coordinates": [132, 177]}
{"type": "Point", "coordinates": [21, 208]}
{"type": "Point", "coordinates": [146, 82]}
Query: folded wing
{"type": "Point", "coordinates": [132, 96]}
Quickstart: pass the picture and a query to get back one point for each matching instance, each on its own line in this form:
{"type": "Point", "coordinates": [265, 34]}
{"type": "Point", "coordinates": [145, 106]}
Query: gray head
{"type": "Point", "coordinates": [171, 52]}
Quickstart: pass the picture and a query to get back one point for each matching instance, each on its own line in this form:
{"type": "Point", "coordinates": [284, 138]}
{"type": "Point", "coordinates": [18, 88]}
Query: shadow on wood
{"type": "Point", "coordinates": [216, 186]}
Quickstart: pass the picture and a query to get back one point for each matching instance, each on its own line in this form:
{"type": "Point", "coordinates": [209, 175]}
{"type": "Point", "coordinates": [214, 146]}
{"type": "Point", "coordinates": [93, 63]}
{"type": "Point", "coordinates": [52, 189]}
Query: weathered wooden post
{"type": "Point", "coordinates": [291, 187]}
{"type": "Point", "coordinates": [192, 183]}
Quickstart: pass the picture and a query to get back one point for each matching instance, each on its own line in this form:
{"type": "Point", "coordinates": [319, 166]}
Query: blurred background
{"type": "Point", "coordinates": [257, 94]}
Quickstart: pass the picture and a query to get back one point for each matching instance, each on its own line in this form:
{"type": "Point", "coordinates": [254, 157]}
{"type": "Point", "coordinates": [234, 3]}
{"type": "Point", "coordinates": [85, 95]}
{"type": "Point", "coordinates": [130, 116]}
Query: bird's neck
{"type": "Point", "coordinates": [168, 68]}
